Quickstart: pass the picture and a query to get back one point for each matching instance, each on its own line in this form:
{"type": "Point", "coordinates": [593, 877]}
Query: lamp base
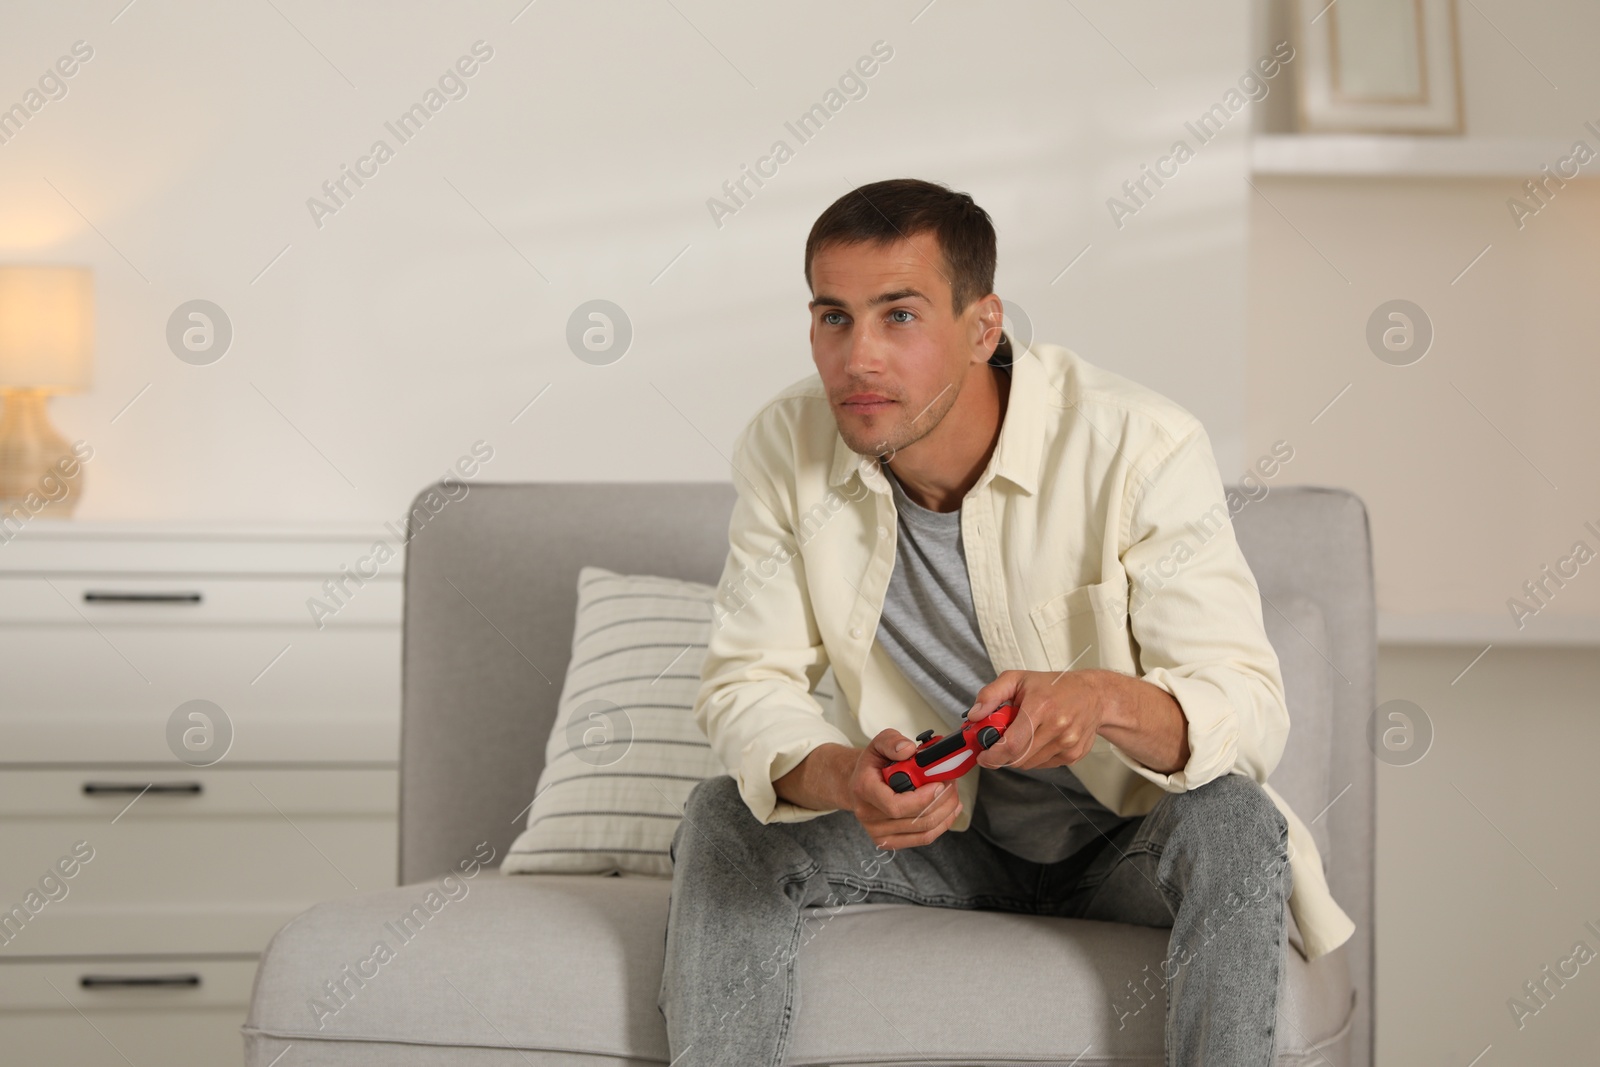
{"type": "Point", "coordinates": [40, 473]}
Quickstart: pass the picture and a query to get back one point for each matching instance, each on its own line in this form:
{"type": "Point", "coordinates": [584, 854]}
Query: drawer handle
{"type": "Point", "coordinates": [104, 981]}
{"type": "Point", "coordinates": [94, 788]}
{"type": "Point", "coordinates": [92, 597]}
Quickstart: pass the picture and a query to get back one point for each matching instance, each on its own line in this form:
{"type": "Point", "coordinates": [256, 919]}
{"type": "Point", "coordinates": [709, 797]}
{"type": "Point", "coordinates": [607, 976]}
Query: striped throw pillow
{"type": "Point", "coordinates": [625, 750]}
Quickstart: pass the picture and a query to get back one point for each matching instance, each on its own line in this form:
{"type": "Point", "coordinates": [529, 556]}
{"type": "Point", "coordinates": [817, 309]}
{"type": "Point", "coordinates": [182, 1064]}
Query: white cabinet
{"type": "Point", "coordinates": [147, 855]}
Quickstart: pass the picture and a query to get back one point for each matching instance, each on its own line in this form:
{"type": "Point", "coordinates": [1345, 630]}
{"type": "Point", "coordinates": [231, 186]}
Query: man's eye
{"type": "Point", "coordinates": [829, 316]}
{"type": "Point", "coordinates": [903, 311]}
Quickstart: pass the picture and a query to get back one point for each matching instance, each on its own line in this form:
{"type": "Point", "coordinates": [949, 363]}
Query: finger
{"type": "Point", "coordinates": [923, 837]}
{"type": "Point", "coordinates": [896, 806]}
{"type": "Point", "coordinates": [903, 830]}
{"type": "Point", "coordinates": [1057, 741]}
{"type": "Point", "coordinates": [930, 803]}
{"type": "Point", "coordinates": [1052, 752]}
{"type": "Point", "coordinates": [996, 756]}
{"type": "Point", "coordinates": [1007, 687]}
{"type": "Point", "coordinates": [1071, 754]}
{"type": "Point", "coordinates": [1041, 756]}
{"type": "Point", "coordinates": [889, 746]}
{"type": "Point", "coordinates": [904, 807]}
{"type": "Point", "coordinates": [1063, 746]}
{"type": "Point", "coordinates": [1074, 746]}
{"type": "Point", "coordinates": [937, 803]}
{"type": "Point", "coordinates": [895, 842]}
{"type": "Point", "coordinates": [1020, 739]}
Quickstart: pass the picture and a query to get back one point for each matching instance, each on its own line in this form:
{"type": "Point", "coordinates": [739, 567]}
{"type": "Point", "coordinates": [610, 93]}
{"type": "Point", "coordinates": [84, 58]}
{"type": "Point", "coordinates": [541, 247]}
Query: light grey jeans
{"type": "Point", "coordinates": [1211, 863]}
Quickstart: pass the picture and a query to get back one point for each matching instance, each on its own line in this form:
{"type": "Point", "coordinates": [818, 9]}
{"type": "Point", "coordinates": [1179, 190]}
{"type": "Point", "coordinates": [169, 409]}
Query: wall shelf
{"type": "Point", "coordinates": [1397, 156]}
{"type": "Point", "coordinates": [1551, 632]}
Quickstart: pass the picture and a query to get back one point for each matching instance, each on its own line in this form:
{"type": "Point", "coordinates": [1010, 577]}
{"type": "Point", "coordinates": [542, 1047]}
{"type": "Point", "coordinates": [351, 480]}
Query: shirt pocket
{"type": "Point", "coordinates": [1085, 627]}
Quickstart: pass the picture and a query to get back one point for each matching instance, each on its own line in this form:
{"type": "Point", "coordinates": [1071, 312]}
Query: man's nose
{"type": "Point", "coordinates": [865, 353]}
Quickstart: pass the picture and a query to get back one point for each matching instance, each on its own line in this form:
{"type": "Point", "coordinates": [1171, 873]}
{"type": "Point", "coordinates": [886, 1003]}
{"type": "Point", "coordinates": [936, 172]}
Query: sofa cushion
{"type": "Point", "coordinates": [565, 969]}
{"type": "Point", "coordinates": [625, 750]}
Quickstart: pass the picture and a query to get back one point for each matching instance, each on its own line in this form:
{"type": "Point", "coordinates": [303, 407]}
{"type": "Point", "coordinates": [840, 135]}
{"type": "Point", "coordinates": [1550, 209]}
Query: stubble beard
{"type": "Point", "coordinates": [909, 430]}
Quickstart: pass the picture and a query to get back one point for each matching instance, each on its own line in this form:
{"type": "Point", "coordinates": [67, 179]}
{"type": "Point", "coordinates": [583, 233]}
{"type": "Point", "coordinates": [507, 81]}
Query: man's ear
{"type": "Point", "coordinates": [990, 321]}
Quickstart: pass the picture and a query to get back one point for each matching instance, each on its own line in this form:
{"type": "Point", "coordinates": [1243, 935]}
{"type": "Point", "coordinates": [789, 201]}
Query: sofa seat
{"type": "Point", "coordinates": [564, 970]}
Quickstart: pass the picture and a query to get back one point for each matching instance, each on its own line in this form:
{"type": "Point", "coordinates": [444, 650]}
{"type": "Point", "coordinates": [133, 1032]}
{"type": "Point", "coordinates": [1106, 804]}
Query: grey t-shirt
{"type": "Point", "coordinates": [929, 628]}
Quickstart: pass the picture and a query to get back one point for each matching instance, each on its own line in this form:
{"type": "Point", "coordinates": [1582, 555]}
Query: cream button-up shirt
{"type": "Point", "coordinates": [1094, 478]}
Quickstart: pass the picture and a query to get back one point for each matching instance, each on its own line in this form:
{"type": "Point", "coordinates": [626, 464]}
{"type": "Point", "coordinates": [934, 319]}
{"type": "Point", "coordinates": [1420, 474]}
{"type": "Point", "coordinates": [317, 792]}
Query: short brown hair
{"type": "Point", "coordinates": [887, 211]}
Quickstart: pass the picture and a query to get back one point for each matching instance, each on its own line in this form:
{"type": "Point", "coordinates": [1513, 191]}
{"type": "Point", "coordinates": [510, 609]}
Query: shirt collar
{"type": "Point", "coordinates": [1017, 454]}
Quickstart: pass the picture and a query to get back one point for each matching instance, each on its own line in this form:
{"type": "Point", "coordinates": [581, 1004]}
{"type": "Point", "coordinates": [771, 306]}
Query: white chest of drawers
{"type": "Point", "coordinates": [146, 855]}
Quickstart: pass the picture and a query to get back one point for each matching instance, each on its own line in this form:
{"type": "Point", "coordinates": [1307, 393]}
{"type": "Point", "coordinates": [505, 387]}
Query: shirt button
{"type": "Point", "coordinates": [856, 632]}
{"type": "Point", "coordinates": [883, 532]}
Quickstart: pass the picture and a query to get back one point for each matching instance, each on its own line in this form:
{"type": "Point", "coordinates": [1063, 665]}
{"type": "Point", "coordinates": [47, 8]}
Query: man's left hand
{"type": "Point", "coordinates": [1059, 714]}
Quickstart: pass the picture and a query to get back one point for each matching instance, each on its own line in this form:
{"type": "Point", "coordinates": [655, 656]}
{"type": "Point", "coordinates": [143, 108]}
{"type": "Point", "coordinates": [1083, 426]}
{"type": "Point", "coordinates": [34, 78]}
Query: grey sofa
{"type": "Point", "coordinates": [564, 969]}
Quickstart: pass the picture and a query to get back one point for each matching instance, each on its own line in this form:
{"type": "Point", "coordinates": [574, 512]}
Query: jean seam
{"type": "Point", "coordinates": [1143, 848]}
{"type": "Point", "coordinates": [1278, 956]}
{"type": "Point", "coordinates": [1173, 898]}
{"type": "Point", "coordinates": [1277, 978]}
{"type": "Point", "coordinates": [947, 900]}
{"type": "Point", "coordinates": [789, 979]}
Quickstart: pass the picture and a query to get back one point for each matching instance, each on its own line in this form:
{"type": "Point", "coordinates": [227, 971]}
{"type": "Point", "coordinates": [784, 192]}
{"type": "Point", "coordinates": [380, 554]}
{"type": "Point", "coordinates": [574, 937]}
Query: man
{"type": "Point", "coordinates": [953, 524]}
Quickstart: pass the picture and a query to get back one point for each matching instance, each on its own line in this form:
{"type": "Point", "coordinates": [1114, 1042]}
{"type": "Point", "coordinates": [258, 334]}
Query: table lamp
{"type": "Point", "coordinates": [46, 346]}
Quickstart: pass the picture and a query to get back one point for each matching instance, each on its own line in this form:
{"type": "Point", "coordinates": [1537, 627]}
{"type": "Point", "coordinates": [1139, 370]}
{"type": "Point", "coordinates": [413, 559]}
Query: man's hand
{"type": "Point", "coordinates": [839, 776]}
{"type": "Point", "coordinates": [1059, 715]}
{"type": "Point", "coordinates": [898, 820]}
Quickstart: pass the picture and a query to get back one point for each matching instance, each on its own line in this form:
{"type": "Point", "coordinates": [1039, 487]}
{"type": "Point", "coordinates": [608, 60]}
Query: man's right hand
{"type": "Point", "coordinates": [898, 820]}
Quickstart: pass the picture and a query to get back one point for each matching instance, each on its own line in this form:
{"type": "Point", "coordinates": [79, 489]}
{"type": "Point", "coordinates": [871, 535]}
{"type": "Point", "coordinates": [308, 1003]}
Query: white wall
{"type": "Point", "coordinates": [1486, 870]}
{"type": "Point", "coordinates": [430, 310]}
{"type": "Point", "coordinates": [1478, 462]}
{"type": "Point", "coordinates": [1485, 874]}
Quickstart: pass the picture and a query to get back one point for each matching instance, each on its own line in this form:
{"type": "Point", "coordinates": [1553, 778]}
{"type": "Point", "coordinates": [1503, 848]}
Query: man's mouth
{"type": "Point", "coordinates": [868, 403]}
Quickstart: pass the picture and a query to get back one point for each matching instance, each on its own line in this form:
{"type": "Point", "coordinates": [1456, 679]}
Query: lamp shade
{"type": "Point", "coordinates": [46, 327]}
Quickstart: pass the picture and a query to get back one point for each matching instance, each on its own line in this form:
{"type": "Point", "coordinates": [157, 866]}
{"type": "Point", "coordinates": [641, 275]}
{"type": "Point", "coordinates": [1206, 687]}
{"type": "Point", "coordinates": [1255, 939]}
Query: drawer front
{"type": "Point", "coordinates": [89, 547]}
{"type": "Point", "coordinates": [201, 600]}
{"type": "Point", "coordinates": [80, 694]}
{"type": "Point", "coordinates": [172, 791]}
{"type": "Point", "coordinates": [216, 868]}
{"type": "Point", "coordinates": [112, 984]}
{"type": "Point", "coordinates": [174, 1021]}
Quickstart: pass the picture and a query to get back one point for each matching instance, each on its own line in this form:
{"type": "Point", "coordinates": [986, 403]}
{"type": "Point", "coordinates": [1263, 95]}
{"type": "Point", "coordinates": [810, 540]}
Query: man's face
{"type": "Point", "coordinates": [882, 327]}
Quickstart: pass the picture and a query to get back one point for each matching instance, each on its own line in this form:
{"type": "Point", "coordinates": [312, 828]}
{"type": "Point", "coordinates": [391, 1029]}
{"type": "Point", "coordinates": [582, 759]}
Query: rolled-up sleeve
{"type": "Point", "coordinates": [1195, 613]}
{"type": "Point", "coordinates": [765, 654]}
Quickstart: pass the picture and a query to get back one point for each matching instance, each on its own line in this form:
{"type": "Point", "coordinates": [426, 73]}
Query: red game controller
{"type": "Point", "coordinates": [939, 759]}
